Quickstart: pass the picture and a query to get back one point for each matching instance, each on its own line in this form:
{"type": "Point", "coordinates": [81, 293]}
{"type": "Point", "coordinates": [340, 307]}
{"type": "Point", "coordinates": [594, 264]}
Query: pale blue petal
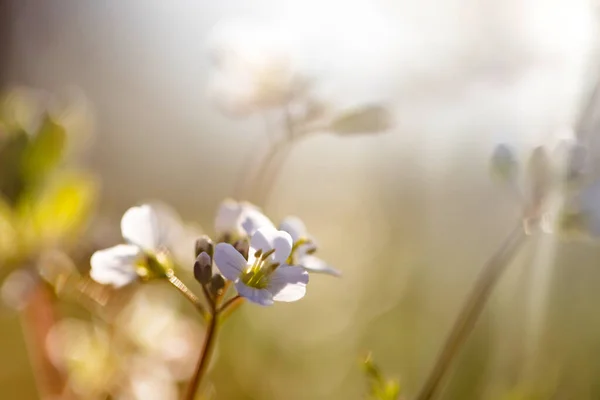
{"type": "Point", "coordinates": [315, 264]}
{"type": "Point", "coordinates": [295, 227]}
{"type": "Point", "coordinates": [253, 219]}
{"type": "Point", "coordinates": [229, 261]}
{"type": "Point", "coordinates": [228, 217]}
{"type": "Point", "coordinates": [258, 296]}
{"type": "Point", "coordinates": [269, 238]}
{"type": "Point", "coordinates": [288, 283]}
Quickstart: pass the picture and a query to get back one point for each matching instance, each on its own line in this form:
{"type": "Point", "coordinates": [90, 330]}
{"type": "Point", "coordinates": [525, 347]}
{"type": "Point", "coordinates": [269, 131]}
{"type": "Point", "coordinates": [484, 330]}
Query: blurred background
{"type": "Point", "coordinates": [409, 215]}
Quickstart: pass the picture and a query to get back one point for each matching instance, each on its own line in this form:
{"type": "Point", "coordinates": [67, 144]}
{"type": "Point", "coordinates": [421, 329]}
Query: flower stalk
{"type": "Point", "coordinates": [38, 317]}
{"type": "Point", "coordinates": [210, 339]}
{"type": "Point", "coordinates": [471, 310]}
{"type": "Point", "coordinates": [188, 294]}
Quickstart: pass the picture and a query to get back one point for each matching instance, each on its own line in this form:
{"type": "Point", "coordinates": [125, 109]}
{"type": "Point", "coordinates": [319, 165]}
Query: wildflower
{"type": "Point", "coordinates": [149, 230]}
{"type": "Point", "coordinates": [239, 219]}
{"type": "Point", "coordinates": [252, 71]}
{"type": "Point", "coordinates": [304, 247]}
{"type": "Point", "coordinates": [265, 276]}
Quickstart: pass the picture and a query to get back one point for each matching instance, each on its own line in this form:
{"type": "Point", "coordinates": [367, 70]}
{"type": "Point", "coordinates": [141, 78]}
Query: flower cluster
{"type": "Point", "coordinates": [264, 263]}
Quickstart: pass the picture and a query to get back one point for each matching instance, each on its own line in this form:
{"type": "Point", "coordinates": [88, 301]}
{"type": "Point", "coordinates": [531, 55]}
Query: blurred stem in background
{"type": "Point", "coordinates": [38, 317]}
{"type": "Point", "coordinates": [259, 176]}
{"type": "Point", "coordinates": [471, 310]}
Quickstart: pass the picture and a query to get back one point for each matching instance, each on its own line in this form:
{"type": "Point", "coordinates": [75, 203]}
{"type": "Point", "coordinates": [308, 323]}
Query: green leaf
{"type": "Point", "coordinates": [45, 151]}
{"type": "Point", "coordinates": [62, 210]}
{"type": "Point", "coordinates": [8, 234]}
{"type": "Point", "coordinates": [12, 151]}
{"type": "Point", "coordinates": [366, 119]}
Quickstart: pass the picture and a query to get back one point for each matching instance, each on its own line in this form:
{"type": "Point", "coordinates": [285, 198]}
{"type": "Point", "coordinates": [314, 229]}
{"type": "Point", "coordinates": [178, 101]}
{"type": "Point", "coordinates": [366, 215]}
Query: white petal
{"type": "Point", "coordinates": [258, 296]}
{"type": "Point", "coordinates": [269, 238]}
{"type": "Point", "coordinates": [115, 265]}
{"type": "Point", "coordinates": [288, 283]}
{"type": "Point", "coordinates": [315, 264]}
{"type": "Point", "coordinates": [140, 226]}
{"type": "Point", "coordinates": [228, 217]}
{"type": "Point", "coordinates": [254, 219]}
{"type": "Point", "coordinates": [229, 261]}
{"type": "Point", "coordinates": [295, 227]}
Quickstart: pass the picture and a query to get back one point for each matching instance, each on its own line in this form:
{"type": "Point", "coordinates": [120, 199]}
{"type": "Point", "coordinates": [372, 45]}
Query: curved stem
{"type": "Point", "coordinates": [205, 356]}
{"type": "Point", "coordinates": [471, 310]}
{"type": "Point", "coordinates": [230, 306]}
{"type": "Point", "coordinates": [256, 177]}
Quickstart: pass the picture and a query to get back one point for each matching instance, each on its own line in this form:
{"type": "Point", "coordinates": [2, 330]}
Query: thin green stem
{"type": "Point", "coordinates": [188, 294]}
{"type": "Point", "coordinates": [471, 310]}
{"type": "Point", "coordinates": [230, 306]}
{"type": "Point", "coordinates": [209, 297]}
{"type": "Point", "coordinates": [205, 356]}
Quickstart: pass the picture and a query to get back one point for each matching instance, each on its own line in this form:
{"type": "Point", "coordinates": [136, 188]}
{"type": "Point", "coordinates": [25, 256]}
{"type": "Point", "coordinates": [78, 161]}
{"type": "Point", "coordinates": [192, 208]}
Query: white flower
{"type": "Point", "coordinates": [304, 247]}
{"type": "Point", "coordinates": [253, 70]}
{"type": "Point", "coordinates": [148, 230]}
{"type": "Point", "coordinates": [266, 276]}
{"type": "Point", "coordinates": [239, 219]}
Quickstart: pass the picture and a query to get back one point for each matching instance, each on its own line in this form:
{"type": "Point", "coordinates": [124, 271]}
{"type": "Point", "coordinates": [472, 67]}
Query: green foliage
{"type": "Point", "coordinates": [61, 210]}
{"type": "Point", "coordinates": [12, 150]}
{"type": "Point", "coordinates": [379, 387]}
{"type": "Point", "coordinates": [44, 152]}
{"type": "Point", "coordinates": [41, 204]}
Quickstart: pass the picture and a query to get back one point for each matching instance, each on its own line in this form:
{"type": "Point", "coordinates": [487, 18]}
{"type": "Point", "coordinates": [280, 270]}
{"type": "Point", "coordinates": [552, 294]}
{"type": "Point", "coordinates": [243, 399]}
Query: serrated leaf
{"type": "Point", "coordinates": [61, 211]}
{"type": "Point", "coordinates": [365, 119]}
{"type": "Point", "coordinates": [44, 152]}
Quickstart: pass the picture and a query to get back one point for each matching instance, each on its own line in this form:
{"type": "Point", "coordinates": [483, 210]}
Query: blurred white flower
{"type": "Point", "coordinates": [153, 323]}
{"type": "Point", "coordinates": [253, 70]}
{"type": "Point", "coordinates": [239, 219]}
{"type": "Point", "coordinates": [148, 380]}
{"type": "Point", "coordinates": [304, 247]}
{"type": "Point", "coordinates": [265, 277]}
{"type": "Point", "coordinates": [149, 230]}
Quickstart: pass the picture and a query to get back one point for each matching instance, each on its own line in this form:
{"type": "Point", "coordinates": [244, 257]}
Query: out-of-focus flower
{"type": "Point", "coordinates": [159, 331]}
{"type": "Point", "coordinates": [86, 353]}
{"type": "Point", "coordinates": [552, 170]}
{"type": "Point", "coordinates": [265, 277]}
{"type": "Point", "coordinates": [253, 70]}
{"type": "Point", "coordinates": [239, 219]}
{"type": "Point", "coordinates": [148, 380]}
{"type": "Point", "coordinates": [304, 247]}
{"type": "Point", "coordinates": [150, 232]}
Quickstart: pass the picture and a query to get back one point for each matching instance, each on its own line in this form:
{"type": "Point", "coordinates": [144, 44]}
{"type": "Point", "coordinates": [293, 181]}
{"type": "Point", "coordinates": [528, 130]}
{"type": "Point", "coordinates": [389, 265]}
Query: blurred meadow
{"type": "Point", "coordinates": [409, 213]}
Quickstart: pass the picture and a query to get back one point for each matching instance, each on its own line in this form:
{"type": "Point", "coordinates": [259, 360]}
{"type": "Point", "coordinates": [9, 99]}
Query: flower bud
{"type": "Point", "coordinates": [203, 268]}
{"type": "Point", "coordinates": [243, 247]}
{"type": "Point", "coordinates": [205, 245]}
{"type": "Point", "coordinates": [217, 283]}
